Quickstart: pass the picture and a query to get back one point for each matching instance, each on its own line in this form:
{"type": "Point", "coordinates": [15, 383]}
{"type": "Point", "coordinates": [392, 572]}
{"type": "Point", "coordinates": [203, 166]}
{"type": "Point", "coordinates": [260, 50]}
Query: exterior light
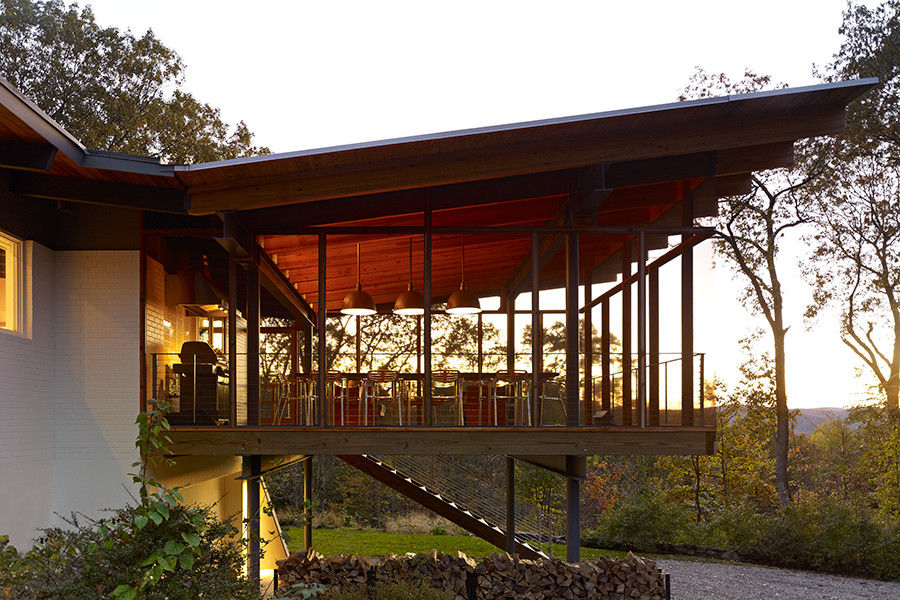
{"type": "Point", "coordinates": [410, 302]}
{"type": "Point", "coordinates": [462, 301]}
{"type": "Point", "coordinates": [358, 302]}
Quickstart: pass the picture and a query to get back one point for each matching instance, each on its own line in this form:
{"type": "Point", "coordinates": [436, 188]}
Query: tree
{"type": "Point", "coordinates": [112, 90]}
{"type": "Point", "coordinates": [857, 207]}
{"type": "Point", "coordinates": [751, 229]}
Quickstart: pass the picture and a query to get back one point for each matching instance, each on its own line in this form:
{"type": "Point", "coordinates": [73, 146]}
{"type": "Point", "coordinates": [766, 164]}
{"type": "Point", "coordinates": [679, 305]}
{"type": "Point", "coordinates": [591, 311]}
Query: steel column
{"type": "Point", "coordinates": [573, 513]}
{"type": "Point", "coordinates": [252, 467]}
{"type": "Point", "coordinates": [426, 291]}
{"type": "Point", "coordinates": [687, 314]}
{"type": "Point", "coordinates": [536, 346]}
{"type": "Point", "coordinates": [626, 334]}
{"type": "Point", "coordinates": [572, 371]}
{"type": "Point", "coordinates": [322, 308]}
{"type": "Point", "coordinates": [588, 352]}
{"type": "Point", "coordinates": [605, 362]}
{"type": "Point", "coordinates": [510, 334]}
{"type": "Point", "coordinates": [480, 357]}
{"type": "Point", "coordinates": [232, 339]}
{"type": "Point", "coordinates": [653, 326]}
{"type": "Point", "coordinates": [252, 345]}
{"type": "Point", "coordinates": [358, 345]}
{"type": "Point", "coordinates": [642, 330]}
{"type": "Point", "coordinates": [510, 505]}
{"type": "Point", "coordinates": [307, 502]}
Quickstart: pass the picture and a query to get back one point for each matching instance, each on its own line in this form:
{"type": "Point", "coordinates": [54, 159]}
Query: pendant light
{"type": "Point", "coordinates": [462, 301]}
{"type": "Point", "coordinates": [410, 302]}
{"type": "Point", "coordinates": [358, 302]}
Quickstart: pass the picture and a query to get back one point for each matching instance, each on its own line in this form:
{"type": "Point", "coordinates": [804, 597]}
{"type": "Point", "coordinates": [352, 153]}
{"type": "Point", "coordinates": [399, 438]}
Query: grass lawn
{"type": "Point", "coordinates": [379, 543]}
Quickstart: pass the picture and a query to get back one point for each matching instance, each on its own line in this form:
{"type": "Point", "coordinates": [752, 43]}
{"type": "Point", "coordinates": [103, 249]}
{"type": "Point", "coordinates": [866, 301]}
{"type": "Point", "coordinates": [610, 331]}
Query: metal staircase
{"type": "Point", "coordinates": [437, 502]}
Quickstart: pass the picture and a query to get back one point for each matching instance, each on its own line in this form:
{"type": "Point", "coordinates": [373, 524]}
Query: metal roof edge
{"type": "Point", "coordinates": [45, 126]}
{"type": "Point", "coordinates": [862, 84]}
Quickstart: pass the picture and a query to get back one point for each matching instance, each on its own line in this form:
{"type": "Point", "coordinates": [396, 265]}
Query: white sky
{"type": "Point", "coordinates": [313, 74]}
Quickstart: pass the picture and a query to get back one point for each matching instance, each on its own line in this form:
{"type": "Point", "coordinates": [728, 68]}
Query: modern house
{"type": "Point", "coordinates": [124, 281]}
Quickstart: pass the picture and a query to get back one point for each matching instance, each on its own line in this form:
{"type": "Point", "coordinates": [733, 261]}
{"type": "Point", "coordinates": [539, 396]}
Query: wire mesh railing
{"type": "Point", "coordinates": [203, 389]}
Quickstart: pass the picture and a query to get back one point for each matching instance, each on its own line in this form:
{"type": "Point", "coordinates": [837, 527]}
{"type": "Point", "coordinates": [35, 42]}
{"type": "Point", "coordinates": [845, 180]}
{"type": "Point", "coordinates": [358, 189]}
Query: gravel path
{"type": "Point", "coordinates": [693, 580]}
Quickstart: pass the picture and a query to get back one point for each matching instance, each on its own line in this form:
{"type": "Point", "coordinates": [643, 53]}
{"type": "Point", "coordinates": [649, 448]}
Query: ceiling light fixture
{"type": "Point", "coordinates": [358, 302]}
{"type": "Point", "coordinates": [410, 302]}
{"type": "Point", "coordinates": [462, 301]}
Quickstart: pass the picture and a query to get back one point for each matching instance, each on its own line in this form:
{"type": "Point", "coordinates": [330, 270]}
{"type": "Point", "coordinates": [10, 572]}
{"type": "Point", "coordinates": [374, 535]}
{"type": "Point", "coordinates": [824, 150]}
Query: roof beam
{"type": "Point", "coordinates": [285, 219]}
{"type": "Point", "coordinates": [239, 242]}
{"type": "Point", "coordinates": [27, 156]}
{"type": "Point", "coordinates": [619, 141]}
{"type": "Point", "coordinates": [88, 191]}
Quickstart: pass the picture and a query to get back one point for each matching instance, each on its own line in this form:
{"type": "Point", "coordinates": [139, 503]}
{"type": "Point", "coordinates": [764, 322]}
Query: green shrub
{"type": "Point", "coordinates": [822, 536]}
{"type": "Point", "coordinates": [731, 527]}
{"type": "Point", "coordinates": [644, 523]}
{"type": "Point", "coordinates": [90, 559]}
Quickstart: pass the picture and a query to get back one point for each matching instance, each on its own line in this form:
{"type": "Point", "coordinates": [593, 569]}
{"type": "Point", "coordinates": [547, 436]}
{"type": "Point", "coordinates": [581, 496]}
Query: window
{"type": "Point", "coordinates": [10, 283]}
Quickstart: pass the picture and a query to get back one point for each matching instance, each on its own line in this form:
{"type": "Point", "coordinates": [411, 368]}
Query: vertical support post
{"type": "Point", "coordinates": [642, 329]}
{"type": "Point", "coordinates": [293, 381]}
{"type": "Point", "coordinates": [232, 340]}
{"type": "Point", "coordinates": [588, 350]}
{"type": "Point", "coordinates": [306, 361]}
{"type": "Point", "coordinates": [510, 505]}
{"type": "Point", "coordinates": [307, 501]}
{"type": "Point", "coordinates": [572, 370]}
{"type": "Point", "coordinates": [426, 291]}
{"type": "Point", "coordinates": [536, 332]}
{"type": "Point", "coordinates": [605, 363]}
{"type": "Point", "coordinates": [626, 334]}
{"type": "Point", "coordinates": [322, 309]}
{"type": "Point", "coordinates": [252, 344]}
{"type": "Point", "coordinates": [252, 467]}
{"type": "Point", "coordinates": [653, 326]}
{"type": "Point", "coordinates": [687, 312]}
{"type": "Point", "coordinates": [418, 344]}
{"type": "Point", "coordinates": [480, 358]}
{"type": "Point", "coordinates": [358, 345]}
{"type": "Point", "coordinates": [573, 512]}
{"type": "Point", "coordinates": [510, 333]}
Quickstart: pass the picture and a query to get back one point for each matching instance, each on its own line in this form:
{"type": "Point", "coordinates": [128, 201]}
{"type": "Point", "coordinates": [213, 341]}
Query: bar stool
{"type": "Point", "coordinates": [331, 391]}
{"type": "Point", "coordinates": [510, 387]}
{"type": "Point", "coordinates": [446, 390]}
{"type": "Point", "coordinates": [383, 386]}
{"type": "Point", "coordinates": [484, 385]}
{"type": "Point", "coordinates": [554, 390]}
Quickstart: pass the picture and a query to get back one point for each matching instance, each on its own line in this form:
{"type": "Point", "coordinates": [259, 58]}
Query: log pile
{"type": "Point", "coordinates": [330, 571]}
{"type": "Point", "coordinates": [504, 576]}
{"type": "Point", "coordinates": [498, 576]}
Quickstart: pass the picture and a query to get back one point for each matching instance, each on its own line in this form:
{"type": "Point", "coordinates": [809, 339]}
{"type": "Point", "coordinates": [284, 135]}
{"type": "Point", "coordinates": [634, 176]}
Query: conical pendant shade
{"type": "Point", "coordinates": [410, 302]}
{"type": "Point", "coordinates": [358, 302]}
{"type": "Point", "coordinates": [462, 301]}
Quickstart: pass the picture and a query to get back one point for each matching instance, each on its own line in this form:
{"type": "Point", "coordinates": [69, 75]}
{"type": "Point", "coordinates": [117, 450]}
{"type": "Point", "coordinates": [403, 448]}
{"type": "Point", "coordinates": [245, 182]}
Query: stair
{"type": "Point", "coordinates": [437, 503]}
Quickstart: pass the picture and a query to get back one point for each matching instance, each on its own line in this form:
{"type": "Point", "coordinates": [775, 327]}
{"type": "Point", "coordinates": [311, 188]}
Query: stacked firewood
{"type": "Point", "coordinates": [498, 576]}
{"type": "Point", "coordinates": [330, 571]}
{"type": "Point", "coordinates": [441, 571]}
{"type": "Point", "coordinates": [505, 576]}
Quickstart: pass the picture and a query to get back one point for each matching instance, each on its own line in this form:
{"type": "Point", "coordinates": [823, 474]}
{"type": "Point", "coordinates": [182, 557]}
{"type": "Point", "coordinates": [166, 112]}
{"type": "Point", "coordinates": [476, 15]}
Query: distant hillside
{"type": "Point", "coordinates": [810, 418]}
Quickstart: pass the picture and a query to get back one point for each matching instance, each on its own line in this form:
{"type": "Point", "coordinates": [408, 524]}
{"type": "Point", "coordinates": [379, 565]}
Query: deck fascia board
{"type": "Point", "coordinates": [443, 440]}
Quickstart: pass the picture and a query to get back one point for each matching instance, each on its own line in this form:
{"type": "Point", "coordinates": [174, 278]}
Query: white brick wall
{"type": "Point", "coordinates": [97, 378]}
{"type": "Point", "coordinates": [26, 412]}
{"type": "Point", "coordinates": [70, 393]}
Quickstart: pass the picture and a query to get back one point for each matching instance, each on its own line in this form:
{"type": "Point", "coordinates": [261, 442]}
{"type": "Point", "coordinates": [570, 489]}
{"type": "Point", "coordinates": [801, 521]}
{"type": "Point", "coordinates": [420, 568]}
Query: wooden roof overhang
{"type": "Point", "coordinates": [620, 169]}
